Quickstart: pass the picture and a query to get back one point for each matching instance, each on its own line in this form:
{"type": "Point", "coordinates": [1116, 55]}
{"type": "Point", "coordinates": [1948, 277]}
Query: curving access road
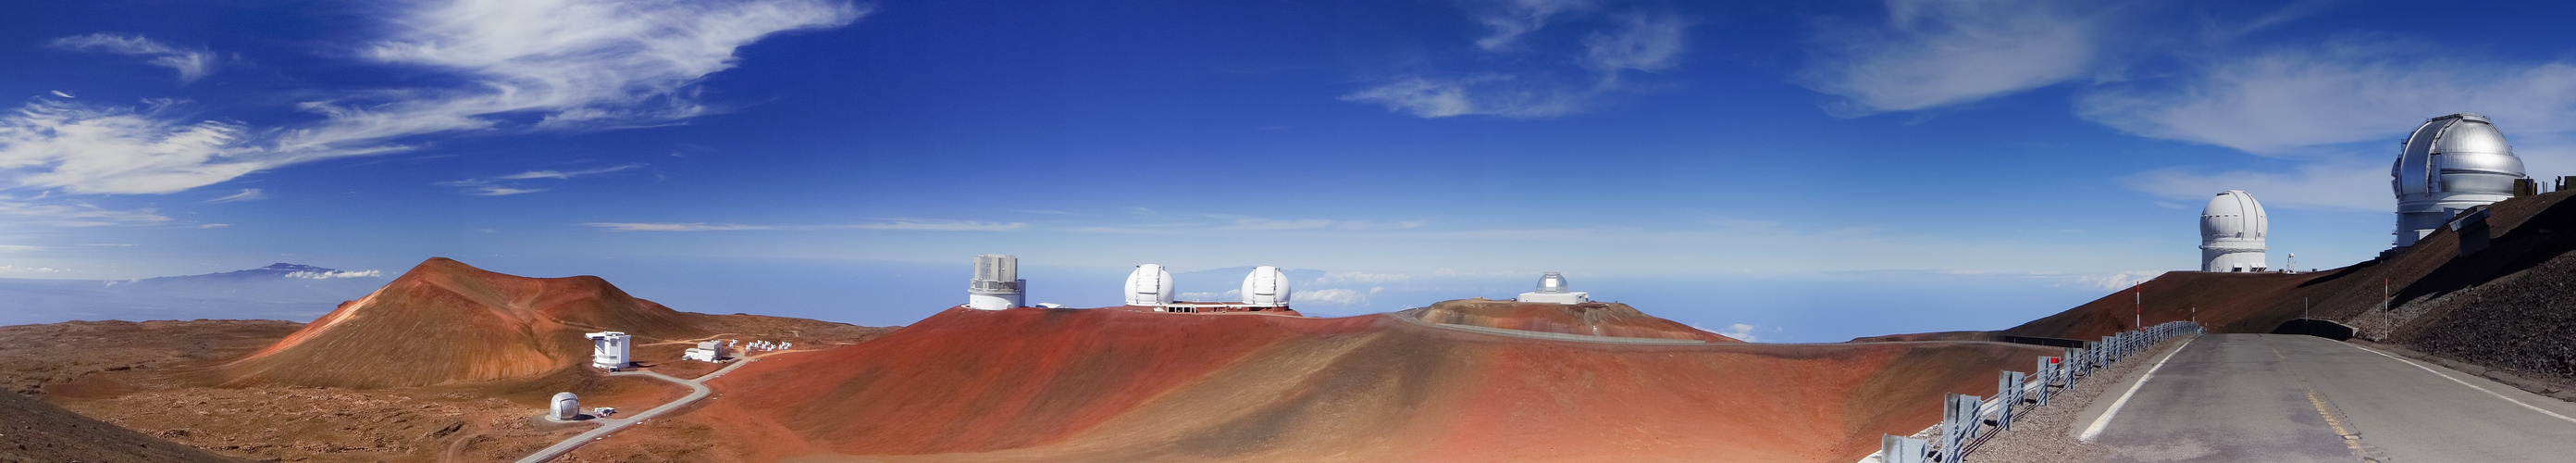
{"type": "Point", "coordinates": [2292, 398]}
{"type": "Point", "coordinates": [697, 390]}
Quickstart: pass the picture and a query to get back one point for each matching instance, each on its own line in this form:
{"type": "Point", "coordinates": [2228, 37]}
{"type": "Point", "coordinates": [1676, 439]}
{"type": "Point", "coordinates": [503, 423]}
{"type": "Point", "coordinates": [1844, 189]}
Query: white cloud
{"type": "Point", "coordinates": [336, 274]}
{"type": "Point", "coordinates": [567, 64]}
{"type": "Point", "coordinates": [1507, 20]}
{"type": "Point", "coordinates": [62, 94]}
{"type": "Point", "coordinates": [1274, 224]}
{"type": "Point", "coordinates": [1335, 296]}
{"type": "Point", "coordinates": [191, 64]}
{"type": "Point", "coordinates": [889, 224]}
{"type": "Point", "coordinates": [2342, 184]}
{"type": "Point", "coordinates": [2120, 280]}
{"type": "Point", "coordinates": [76, 213]}
{"type": "Point", "coordinates": [246, 194]}
{"type": "Point", "coordinates": [2342, 91]}
{"type": "Point", "coordinates": [528, 64]}
{"type": "Point", "coordinates": [1739, 331]}
{"type": "Point", "coordinates": [22, 248]}
{"type": "Point", "coordinates": [18, 269]}
{"type": "Point", "coordinates": [1617, 44]}
{"type": "Point", "coordinates": [1933, 53]}
{"type": "Point", "coordinates": [118, 150]}
{"type": "Point", "coordinates": [502, 185]}
{"type": "Point", "coordinates": [566, 175]}
{"type": "Point", "coordinates": [1227, 295]}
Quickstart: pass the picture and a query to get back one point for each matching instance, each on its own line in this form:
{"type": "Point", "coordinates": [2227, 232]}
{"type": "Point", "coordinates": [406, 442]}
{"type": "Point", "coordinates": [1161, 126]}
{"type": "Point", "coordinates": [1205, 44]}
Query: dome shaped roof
{"type": "Point", "coordinates": [2233, 216]}
{"type": "Point", "coordinates": [1150, 285]}
{"type": "Point", "coordinates": [2461, 153]}
{"type": "Point", "coordinates": [1266, 287]}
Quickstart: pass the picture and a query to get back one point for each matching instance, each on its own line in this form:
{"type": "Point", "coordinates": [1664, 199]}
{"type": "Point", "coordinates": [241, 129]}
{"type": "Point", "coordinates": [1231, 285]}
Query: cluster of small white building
{"type": "Point", "coordinates": [2449, 165]}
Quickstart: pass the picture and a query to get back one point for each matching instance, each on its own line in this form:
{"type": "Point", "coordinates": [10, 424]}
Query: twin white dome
{"type": "Point", "coordinates": [2231, 233]}
{"type": "Point", "coordinates": [1151, 286]}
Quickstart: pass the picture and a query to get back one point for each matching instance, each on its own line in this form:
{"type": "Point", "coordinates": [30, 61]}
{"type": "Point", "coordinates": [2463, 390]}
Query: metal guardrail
{"type": "Point", "coordinates": [1967, 421]}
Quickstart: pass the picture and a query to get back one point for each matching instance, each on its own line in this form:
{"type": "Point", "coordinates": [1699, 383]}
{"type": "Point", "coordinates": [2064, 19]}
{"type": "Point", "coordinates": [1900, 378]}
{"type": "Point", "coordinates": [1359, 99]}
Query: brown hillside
{"type": "Point", "coordinates": [1124, 385]}
{"type": "Point", "coordinates": [1591, 318]}
{"type": "Point", "coordinates": [2508, 306]}
{"type": "Point", "coordinates": [445, 321]}
{"type": "Point", "coordinates": [36, 431]}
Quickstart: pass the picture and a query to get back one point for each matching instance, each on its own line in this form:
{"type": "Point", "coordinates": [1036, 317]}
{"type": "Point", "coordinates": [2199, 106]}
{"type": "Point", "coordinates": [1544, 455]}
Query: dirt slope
{"type": "Point", "coordinates": [445, 321]}
{"type": "Point", "coordinates": [32, 431]}
{"type": "Point", "coordinates": [1591, 318]}
{"type": "Point", "coordinates": [1121, 385]}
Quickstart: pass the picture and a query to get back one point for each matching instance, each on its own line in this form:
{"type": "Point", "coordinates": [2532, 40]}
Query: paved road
{"type": "Point", "coordinates": [697, 390]}
{"type": "Point", "coordinates": [2288, 398]}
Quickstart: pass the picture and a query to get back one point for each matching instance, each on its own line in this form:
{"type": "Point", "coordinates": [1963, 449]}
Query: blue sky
{"type": "Point", "coordinates": [2013, 157]}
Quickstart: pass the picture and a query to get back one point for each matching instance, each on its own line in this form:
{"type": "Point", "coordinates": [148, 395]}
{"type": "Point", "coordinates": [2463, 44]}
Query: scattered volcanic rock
{"type": "Point", "coordinates": [1590, 318]}
{"type": "Point", "coordinates": [1129, 385]}
{"type": "Point", "coordinates": [446, 322]}
{"type": "Point", "coordinates": [33, 431]}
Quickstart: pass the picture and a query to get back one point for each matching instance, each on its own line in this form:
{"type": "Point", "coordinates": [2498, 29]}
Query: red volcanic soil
{"type": "Point", "coordinates": [445, 321]}
{"type": "Point", "coordinates": [1590, 318]}
{"type": "Point", "coordinates": [1125, 385]}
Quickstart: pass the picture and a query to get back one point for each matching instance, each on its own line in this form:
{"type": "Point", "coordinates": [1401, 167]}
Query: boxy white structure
{"type": "Point", "coordinates": [997, 284]}
{"type": "Point", "coordinates": [611, 350]}
{"type": "Point", "coordinates": [708, 351]}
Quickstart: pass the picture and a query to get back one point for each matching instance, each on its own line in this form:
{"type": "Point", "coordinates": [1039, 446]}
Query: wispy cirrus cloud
{"type": "Point", "coordinates": [76, 213]}
{"type": "Point", "coordinates": [247, 194]}
{"type": "Point", "coordinates": [505, 185]}
{"type": "Point", "coordinates": [1615, 42]}
{"type": "Point", "coordinates": [192, 64]}
{"type": "Point", "coordinates": [2338, 91]}
{"type": "Point", "coordinates": [523, 66]}
{"type": "Point", "coordinates": [1931, 53]}
{"type": "Point", "coordinates": [888, 224]}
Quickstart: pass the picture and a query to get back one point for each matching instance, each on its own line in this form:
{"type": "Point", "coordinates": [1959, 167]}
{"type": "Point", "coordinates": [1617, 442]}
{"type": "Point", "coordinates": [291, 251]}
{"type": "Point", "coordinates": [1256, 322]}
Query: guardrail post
{"type": "Point", "coordinates": [2047, 374]}
{"type": "Point", "coordinates": [1901, 449]}
{"type": "Point", "coordinates": [1959, 424]}
{"type": "Point", "coordinates": [2008, 390]}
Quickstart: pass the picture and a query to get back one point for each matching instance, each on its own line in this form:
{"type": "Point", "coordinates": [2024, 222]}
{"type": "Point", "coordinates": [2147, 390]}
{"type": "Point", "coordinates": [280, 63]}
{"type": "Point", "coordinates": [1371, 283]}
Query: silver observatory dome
{"type": "Point", "coordinates": [2451, 163]}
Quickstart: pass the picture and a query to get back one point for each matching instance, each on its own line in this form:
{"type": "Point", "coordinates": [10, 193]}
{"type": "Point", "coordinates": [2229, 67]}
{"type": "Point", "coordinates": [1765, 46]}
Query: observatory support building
{"type": "Point", "coordinates": [997, 284]}
{"type": "Point", "coordinates": [2231, 233]}
{"type": "Point", "coordinates": [2450, 164]}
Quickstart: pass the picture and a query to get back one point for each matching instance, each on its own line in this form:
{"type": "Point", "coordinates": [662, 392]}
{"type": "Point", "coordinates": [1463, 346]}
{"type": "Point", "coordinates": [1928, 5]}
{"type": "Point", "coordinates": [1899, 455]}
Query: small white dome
{"type": "Point", "coordinates": [1149, 286]}
{"type": "Point", "coordinates": [1265, 287]}
{"type": "Point", "coordinates": [566, 407]}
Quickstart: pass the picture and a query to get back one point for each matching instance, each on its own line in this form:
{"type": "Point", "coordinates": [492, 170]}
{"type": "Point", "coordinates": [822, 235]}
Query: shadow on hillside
{"type": "Point", "coordinates": [2534, 241]}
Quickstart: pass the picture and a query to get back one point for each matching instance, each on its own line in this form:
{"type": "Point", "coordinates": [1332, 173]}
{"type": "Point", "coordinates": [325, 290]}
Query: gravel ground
{"type": "Point", "coordinates": [2046, 434]}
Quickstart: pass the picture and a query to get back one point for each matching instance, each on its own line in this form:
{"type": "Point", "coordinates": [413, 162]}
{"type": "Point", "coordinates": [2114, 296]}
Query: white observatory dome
{"type": "Point", "coordinates": [1149, 286]}
{"type": "Point", "coordinates": [566, 407]}
{"type": "Point", "coordinates": [2450, 164]}
{"type": "Point", "coordinates": [2231, 233]}
{"type": "Point", "coordinates": [1265, 287]}
{"type": "Point", "coordinates": [1552, 289]}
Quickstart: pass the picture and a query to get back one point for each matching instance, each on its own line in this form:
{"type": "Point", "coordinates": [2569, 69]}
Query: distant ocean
{"type": "Point", "coordinates": [1794, 308]}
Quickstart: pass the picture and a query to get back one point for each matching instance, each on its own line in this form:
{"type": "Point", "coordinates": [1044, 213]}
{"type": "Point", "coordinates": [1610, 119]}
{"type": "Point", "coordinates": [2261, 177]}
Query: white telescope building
{"type": "Point", "coordinates": [566, 407]}
{"type": "Point", "coordinates": [1266, 288]}
{"type": "Point", "coordinates": [1552, 290]}
{"type": "Point", "coordinates": [997, 284]}
{"type": "Point", "coordinates": [2231, 233]}
{"type": "Point", "coordinates": [611, 350]}
{"type": "Point", "coordinates": [2450, 164]}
